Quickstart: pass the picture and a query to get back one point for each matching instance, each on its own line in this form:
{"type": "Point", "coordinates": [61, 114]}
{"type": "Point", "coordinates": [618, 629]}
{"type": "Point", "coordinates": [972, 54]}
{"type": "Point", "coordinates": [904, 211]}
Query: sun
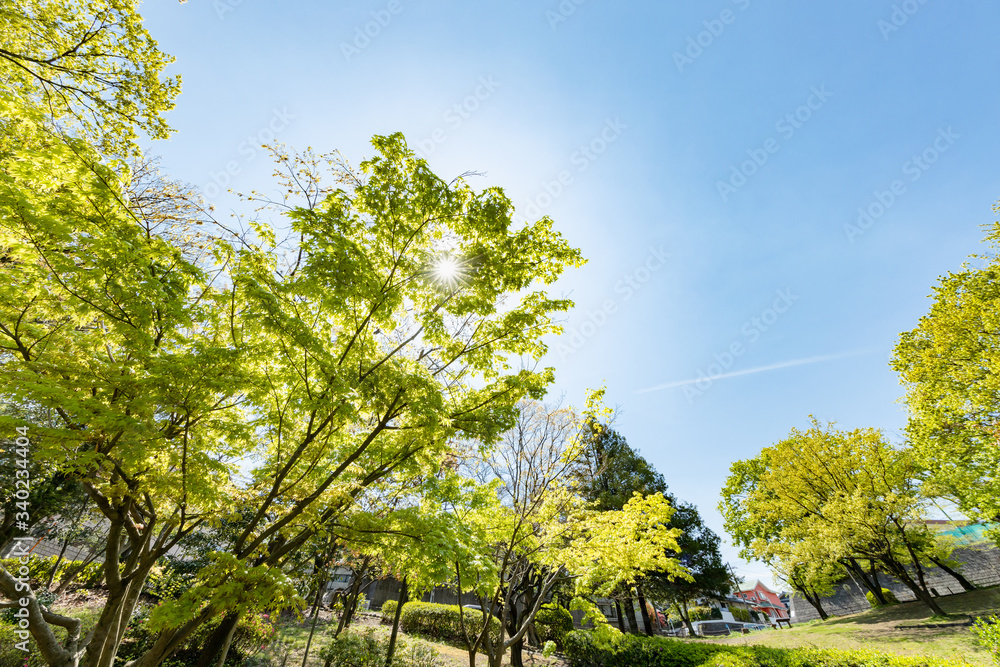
{"type": "Point", "coordinates": [447, 269]}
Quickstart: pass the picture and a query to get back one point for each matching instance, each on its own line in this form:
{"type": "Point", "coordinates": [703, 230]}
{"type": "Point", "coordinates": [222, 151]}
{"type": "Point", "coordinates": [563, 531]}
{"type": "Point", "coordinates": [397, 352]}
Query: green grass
{"type": "Point", "coordinates": [879, 629]}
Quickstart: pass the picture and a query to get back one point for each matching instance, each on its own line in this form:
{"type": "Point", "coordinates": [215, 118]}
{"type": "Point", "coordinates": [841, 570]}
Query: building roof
{"type": "Point", "coordinates": [754, 584]}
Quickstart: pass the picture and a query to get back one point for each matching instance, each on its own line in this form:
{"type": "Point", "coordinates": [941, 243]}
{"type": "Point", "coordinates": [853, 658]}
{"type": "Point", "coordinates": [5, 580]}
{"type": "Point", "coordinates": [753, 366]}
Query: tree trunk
{"type": "Point", "coordinates": [315, 618]}
{"type": "Point", "coordinates": [229, 642]}
{"type": "Point", "coordinates": [856, 572]}
{"type": "Point", "coordinates": [966, 584]}
{"type": "Point", "coordinates": [52, 574]}
{"type": "Point", "coordinates": [897, 569]}
{"type": "Point", "coordinates": [682, 611]}
{"type": "Point", "coordinates": [516, 648]}
{"type": "Point", "coordinates": [644, 611]}
{"type": "Point", "coordinates": [633, 626]}
{"type": "Point", "coordinates": [621, 619]}
{"type": "Point", "coordinates": [813, 599]}
{"type": "Point", "coordinates": [218, 640]}
{"type": "Point", "coordinates": [395, 624]}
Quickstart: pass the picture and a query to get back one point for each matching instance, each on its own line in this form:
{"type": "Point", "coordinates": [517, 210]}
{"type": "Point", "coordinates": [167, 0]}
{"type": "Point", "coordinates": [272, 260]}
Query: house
{"type": "Point", "coordinates": [763, 600]}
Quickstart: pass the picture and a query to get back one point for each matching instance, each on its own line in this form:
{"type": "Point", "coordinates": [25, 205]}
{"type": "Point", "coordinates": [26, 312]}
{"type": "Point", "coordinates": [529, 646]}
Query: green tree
{"type": "Point", "coordinates": [610, 471]}
{"type": "Point", "coordinates": [700, 555]}
{"type": "Point", "coordinates": [90, 66]}
{"type": "Point", "coordinates": [948, 365]}
{"type": "Point", "coordinates": [542, 529]}
{"type": "Point", "coordinates": [359, 359]}
{"type": "Point", "coordinates": [846, 495]}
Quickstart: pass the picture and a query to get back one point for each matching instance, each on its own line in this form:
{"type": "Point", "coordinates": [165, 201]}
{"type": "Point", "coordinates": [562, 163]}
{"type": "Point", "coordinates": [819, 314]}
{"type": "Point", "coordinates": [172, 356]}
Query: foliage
{"type": "Point", "coordinates": [367, 648]}
{"type": "Point", "coordinates": [166, 582]}
{"type": "Point", "coordinates": [988, 632]}
{"type": "Point", "coordinates": [700, 555]}
{"type": "Point", "coordinates": [890, 598]}
{"type": "Point", "coordinates": [640, 651]}
{"type": "Point", "coordinates": [39, 569]}
{"type": "Point", "coordinates": [353, 366]}
{"type": "Point", "coordinates": [90, 64]}
{"type": "Point", "coordinates": [740, 614]}
{"type": "Point", "coordinates": [254, 632]}
{"type": "Point", "coordinates": [437, 621]}
{"type": "Point", "coordinates": [827, 496]}
{"type": "Point", "coordinates": [552, 623]}
{"type": "Point", "coordinates": [610, 472]}
{"type": "Point", "coordinates": [10, 655]}
{"type": "Point", "coordinates": [948, 364]}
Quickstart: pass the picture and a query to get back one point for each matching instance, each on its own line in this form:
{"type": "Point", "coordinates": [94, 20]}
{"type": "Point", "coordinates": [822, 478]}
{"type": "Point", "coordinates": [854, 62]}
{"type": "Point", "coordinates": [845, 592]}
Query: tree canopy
{"type": "Point", "coordinates": [949, 365]}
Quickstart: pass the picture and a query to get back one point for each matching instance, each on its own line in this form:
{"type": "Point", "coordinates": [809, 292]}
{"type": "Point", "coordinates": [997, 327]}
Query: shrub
{"type": "Point", "coordinates": [253, 633]}
{"type": "Point", "coordinates": [635, 651]}
{"type": "Point", "coordinates": [441, 621]}
{"type": "Point", "coordinates": [11, 656]}
{"type": "Point", "coordinates": [552, 623]}
{"type": "Point", "coordinates": [890, 598]}
{"type": "Point", "coordinates": [388, 611]}
{"type": "Point", "coordinates": [988, 631]}
{"type": "Point", "coordinates": [39, 569]}
{"type": "Point", "coordinates": [740, 614]}
{"type": "Point", "coordinates": [366, 648]}
{"type": "Point", "coordinates": [699, 613]}
{"type": "Point", "coordinates": [165, 582]}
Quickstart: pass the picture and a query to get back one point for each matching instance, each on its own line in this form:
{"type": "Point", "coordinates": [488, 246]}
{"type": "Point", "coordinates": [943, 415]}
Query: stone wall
{"type": "Point", "coordinates": [980, 565]}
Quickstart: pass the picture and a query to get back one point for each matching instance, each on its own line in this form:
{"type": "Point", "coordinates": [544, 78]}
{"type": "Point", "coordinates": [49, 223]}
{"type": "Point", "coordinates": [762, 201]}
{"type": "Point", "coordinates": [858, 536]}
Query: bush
{"type": "Point", "coordinates": [253, 633]}
{"type": "Point", "coordinates": [366, 648]}
{"type": "Point", "coordinates": [10, 656]}
{"type": "Point", "coordinates": [441, 621]}
{"type": "Point", "coordinates": [890, 598]}
{"type": "Point", "coordinates": [699, 613]}
{"type": "Point", "coordinates": [988, 631]}
{"type": "Point", "coordinates": [582, 650]}
{"type": "Point", "coordinates": [388, 611]}
{"type": "Point", "coordinates": [552, 623]}
{"type": "Point", "coordinates": [740, 614]}
{"type": "Point", "coordinates": [166, 582]}
{"type": "Point", "coordinates": [39, 569]}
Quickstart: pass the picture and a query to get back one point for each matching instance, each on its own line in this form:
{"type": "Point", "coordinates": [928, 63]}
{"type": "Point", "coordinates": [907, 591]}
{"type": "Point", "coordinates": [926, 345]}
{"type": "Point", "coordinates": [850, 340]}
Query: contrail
{"type": "Point", "coordinates": [749, 371]}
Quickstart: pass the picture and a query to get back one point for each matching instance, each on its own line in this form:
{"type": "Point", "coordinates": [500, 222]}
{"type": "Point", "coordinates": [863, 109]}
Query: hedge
{"type": "Point", "coordinates": [636, 651]}
{"type": "Point", "coordinates": [39, 569]}
{"type": "Point", "coordinates": [552, 623]}
{"type": "Point", "coordinates": [438, 621]}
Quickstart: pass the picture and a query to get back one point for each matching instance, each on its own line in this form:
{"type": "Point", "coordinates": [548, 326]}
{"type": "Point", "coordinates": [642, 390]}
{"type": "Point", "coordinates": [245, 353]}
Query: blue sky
{"type": "Point", "coordinates": [709, 158]}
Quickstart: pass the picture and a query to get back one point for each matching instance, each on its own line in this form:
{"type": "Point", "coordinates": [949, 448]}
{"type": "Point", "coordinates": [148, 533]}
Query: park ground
{"type": "Point", "coordinates": [905, 629]}
{"type": "Point", "coordinates": [295, 634]}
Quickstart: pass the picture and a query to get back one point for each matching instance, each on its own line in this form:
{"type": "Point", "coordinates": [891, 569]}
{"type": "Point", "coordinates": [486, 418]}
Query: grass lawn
{"type": "Point", "coordinates": [880, 629]}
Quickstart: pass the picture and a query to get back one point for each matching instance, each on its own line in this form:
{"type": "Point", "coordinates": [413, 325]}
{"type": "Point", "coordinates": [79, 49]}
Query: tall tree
{"type": "Point", "coordinates": [849, 493]}
{"type": "Point", "coordinates": [542, 530]}
{"type": "Point", "coordinates": [611, 471]}
{"type": "Point", "coordinates": [700, 555]}
{"type": "Point", "coordinates": [948, 364]}
{"type": "Point", "coordinates": [361, 358]}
